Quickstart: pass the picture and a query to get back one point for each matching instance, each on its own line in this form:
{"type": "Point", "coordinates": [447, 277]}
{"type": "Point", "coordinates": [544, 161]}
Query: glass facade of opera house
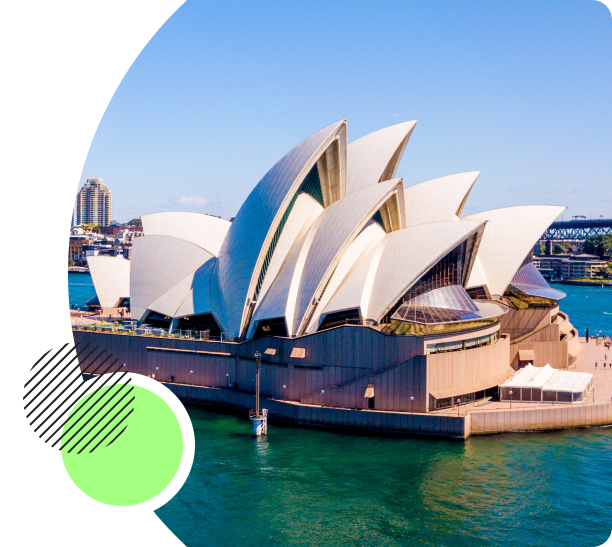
{"type": "Point", "coordinates": [360, 293]}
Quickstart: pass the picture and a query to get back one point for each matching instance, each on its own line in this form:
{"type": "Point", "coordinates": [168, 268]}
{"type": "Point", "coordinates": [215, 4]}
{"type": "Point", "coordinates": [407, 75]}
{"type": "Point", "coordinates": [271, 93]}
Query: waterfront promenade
{"type": "Point", "coordinates": [498, 417]}
{"type": "Point", "coordinates": [592, 352]}
{"type": "Point", "coordinates": [80, 318]}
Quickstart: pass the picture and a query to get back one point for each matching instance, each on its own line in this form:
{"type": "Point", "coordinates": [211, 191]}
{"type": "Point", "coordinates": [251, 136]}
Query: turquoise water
{"type": "Point", "coordinates": [306, 487]}
{"type": "Point", "coordinates": [588, 307]}
{"type": "Point", "coordinates": [80, 289]}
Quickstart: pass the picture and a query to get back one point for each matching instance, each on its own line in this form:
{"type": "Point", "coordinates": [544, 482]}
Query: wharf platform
{"type": "Point", "coordinates": [486, 417]}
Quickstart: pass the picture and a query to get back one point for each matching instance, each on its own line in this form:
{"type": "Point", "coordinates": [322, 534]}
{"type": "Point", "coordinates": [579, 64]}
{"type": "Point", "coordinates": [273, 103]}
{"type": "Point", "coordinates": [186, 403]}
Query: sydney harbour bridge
{"type": "Point", "coordinates": [577, 229]}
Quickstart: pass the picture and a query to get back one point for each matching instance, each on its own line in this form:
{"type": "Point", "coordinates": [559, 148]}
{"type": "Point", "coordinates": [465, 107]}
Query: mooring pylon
{"type": "Point", "coordinates": [257, 416]}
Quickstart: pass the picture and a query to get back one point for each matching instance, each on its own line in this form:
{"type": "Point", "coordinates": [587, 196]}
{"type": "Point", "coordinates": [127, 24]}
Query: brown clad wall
{"type": "Point", "coordinates": [518, 323]}
{"type": "Point", "coordinates": [464, 371]}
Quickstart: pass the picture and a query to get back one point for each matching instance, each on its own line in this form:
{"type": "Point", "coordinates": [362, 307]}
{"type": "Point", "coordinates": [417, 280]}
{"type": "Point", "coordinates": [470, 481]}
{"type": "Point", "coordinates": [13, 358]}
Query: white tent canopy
{"type": "Point", "coordinates": [546, 384]}
{"type": "Point", "coordinates": [530, 376]}
{"type": "Point", "coordinates": [564, 380]}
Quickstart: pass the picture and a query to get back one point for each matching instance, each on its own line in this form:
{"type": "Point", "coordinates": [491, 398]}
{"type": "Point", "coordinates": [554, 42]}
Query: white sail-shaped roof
{"type": "Point", "coordinates": [111, 278]}
{"type": "Point", "coordinates": [251, 238]}
{"type": "Point", "coordinates": [438, 199]}
{"type": "Point", "coordinates": [313, 260]}
{"type": "Point", "coordinates": [204, 231]}
{"type": "Point", "coordinates": [191, 296]}
{"type": "Point", "coordinates": [369, 237]}
{"type": "Point", "coordinates": [280, 299]}
{"type": "Point", "coordinates": [376, 156]}
{"type": "Point", "coordinates": [198, 299]}
{"type": "Point", "coordinates": [302, 216]}
{"type": "Point", "coordinates": [508, 238]}
{"type": "Point", "coordinates": [158, 264]}
{"type": "Point", "coordinates": [395, 264]}
{"type": "Point", "coordinates": [332, 234]}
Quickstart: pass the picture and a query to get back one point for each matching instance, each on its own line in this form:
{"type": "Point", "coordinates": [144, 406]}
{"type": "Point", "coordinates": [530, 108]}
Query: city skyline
{"type": "Point", "coordinates": [517, 91]}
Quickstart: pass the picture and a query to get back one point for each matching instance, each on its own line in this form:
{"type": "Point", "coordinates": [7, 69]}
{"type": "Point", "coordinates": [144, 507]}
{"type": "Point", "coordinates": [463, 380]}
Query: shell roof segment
{"type": "Point", "coordinates": [191, 296]}
{"type": "Point", "coordinates": [375, 157]}
{"type": "Point", "coordinates": [304, 213]}
{"type": "Point", "coordinates": [333, 231]}
{"type": "Point", "coordinates": [311, 262]}
{"type": "Point", "coordinates": [248, 240]}
{"type": "Point", "coordinates": [396, 263]}
{"type": "Point", "coordinates": [204, 231]}
{"type": "Point", "coordinates": [158, 264]}
{"type": "Point", "coordinates": [111, 278]}
{"type": "Point", "coordinates": [438, 199]}
{"type": "Point", "coordinates": [368, 238]}
{"type": "Point", "coordinates": [508, 238]}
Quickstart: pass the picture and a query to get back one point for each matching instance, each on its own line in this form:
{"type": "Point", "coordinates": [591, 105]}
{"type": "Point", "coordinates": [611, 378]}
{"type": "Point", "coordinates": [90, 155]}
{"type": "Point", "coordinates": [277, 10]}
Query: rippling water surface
{"type": "Point", "coordinates": [302, 486]}
{"type": "Point", "coordinates": [588, 307]}
{"type": "Point", "coordinates": [80, 289]}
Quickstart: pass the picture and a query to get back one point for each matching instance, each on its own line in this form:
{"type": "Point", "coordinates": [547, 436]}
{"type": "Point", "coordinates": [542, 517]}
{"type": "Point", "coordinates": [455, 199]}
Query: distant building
{"type": "Point", "coordinates": [76, 252]}
{"type": "Point", "coordinates": [115, 229]}
{"type": "Point", "coordinates": [94, 204]}
{"type": "Point", "coordinates": [579, 266]}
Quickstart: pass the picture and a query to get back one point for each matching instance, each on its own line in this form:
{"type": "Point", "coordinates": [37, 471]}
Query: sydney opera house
{"type": "Point", "coordinates": [359, 292]}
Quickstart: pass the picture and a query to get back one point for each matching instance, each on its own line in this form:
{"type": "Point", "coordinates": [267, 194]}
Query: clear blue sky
{"type": "Point", "coordinates": [519, 90]}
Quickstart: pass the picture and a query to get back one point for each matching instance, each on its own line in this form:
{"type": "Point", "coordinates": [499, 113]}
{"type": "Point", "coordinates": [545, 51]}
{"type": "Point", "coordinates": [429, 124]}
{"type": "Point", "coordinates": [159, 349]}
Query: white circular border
{"type": "Point", "coordinates": [188, 444]}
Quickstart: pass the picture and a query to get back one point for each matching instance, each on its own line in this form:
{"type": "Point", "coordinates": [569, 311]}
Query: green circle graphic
{"type": "Point", "coordinates": [142, 460]}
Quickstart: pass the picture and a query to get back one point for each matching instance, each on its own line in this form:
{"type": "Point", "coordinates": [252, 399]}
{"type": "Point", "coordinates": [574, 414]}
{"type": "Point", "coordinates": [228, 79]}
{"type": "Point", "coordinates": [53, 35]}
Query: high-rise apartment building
{"type": "Point", "coordinates": [94, 204]}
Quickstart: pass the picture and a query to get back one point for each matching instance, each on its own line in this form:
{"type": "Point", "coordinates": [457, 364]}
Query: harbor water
{"type": "Point", "coordinates": [80, 289]}
{"type": "Point", "coordinates": [302, 487]}
{"type": "Point", "coordinates": [588, 307]}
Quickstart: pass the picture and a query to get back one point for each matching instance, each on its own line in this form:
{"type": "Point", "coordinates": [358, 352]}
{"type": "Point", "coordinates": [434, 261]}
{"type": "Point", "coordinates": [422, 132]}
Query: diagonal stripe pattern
{"type": "Point", "coordinates": [91, 414]}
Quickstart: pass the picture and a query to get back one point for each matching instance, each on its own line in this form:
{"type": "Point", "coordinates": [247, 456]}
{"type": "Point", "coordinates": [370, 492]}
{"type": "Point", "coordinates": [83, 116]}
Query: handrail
{"type": "Point", "coordinates": [147, 331]}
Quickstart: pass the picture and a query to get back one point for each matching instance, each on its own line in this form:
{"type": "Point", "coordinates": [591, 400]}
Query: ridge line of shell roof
{"type": "Point", "coordinates": [443, 177]}
{"type": "Point", "coordinates": [256, 221]}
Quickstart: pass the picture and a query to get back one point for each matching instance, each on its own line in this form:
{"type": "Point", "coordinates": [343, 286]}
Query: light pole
{"type": "Point", "coordinates": [322, 396]}
{"type": "Point", "coordinates": [458, 401]}
{"type": "Point", "coordinates": [284, 388]}
{"type": "Point", "coordinates": [411, 403]}
{"type": "Point", "coordinates": [227, 380]}
{"type": "Point", "coordinates": [510, 393]}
